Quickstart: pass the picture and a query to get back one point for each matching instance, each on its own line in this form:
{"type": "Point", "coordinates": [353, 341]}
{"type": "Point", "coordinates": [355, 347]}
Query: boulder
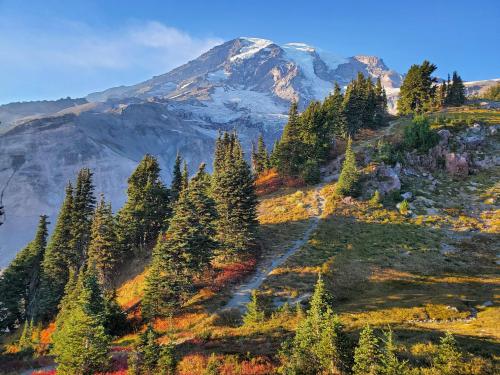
{"type": "Point", "coordinates": [383, 178]}
{"type": "Point", "coordinates": [457, 164]}
{"type": "Point", "coordinates": [444, 136]}
{"type": "Point", "coordinates": [408, 195]}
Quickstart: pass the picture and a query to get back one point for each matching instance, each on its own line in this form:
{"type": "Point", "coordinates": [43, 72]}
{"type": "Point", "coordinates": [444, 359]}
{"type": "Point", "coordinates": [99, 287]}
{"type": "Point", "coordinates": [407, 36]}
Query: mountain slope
{"type": "Point", "coordinates": [245, 84]}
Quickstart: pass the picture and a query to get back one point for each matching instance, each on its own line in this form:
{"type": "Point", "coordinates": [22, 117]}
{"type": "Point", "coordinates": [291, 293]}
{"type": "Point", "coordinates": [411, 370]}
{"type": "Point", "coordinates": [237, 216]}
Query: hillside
{"type": "Point", "coordinates": [423, 273]}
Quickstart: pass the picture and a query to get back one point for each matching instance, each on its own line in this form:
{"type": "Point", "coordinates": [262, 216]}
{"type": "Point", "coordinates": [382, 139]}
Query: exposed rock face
{"type": "Point", "coordinates": [383, 178]}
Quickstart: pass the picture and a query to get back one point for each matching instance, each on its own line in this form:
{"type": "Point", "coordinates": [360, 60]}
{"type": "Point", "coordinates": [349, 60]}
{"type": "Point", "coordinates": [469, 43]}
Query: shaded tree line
{"type": "Point", "coordinates": [308, 137]}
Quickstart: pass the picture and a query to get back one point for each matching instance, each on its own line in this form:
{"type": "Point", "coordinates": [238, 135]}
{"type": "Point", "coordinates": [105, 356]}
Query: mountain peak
{"type": "Point", "coordinates": [250, 46]}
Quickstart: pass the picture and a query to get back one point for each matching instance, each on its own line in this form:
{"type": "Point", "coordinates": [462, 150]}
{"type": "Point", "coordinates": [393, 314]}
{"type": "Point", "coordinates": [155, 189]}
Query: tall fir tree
{"type": "Point", "coordinates": [181, 253]}
{"type": "Point", "coordinates": [334, 113]}
{"type": "Point", "coordinates": [441, 93]}
{"type": "Point", "coordinates": [254, 314]}
{"type": "Point", "coordinates": [448, 359]}
{"type": "Point", "coordinates": [355, 105]}
{"type": "Point", "coordinates": [57, 261]}
{"type": "Point", "coordinates": [144, 214]}
{"type": "Point", "coordinates": [349, 176]}
{"type": "Point", "coordinates": [289, 153]}
{"type": "Point", "coordinates": [83, 328]}
{"type": "Point", "coordinates": [176, 186]}
{"type": "Point", "coordinates": [366, 354]}
{"type": "Point", "coordinates": [260, 157]}
{"type": "Point", "coordinates": [20, 281]}
{"type": "Point", "coordinates": [380, 113]}
{"type": "Point", "coordinates": [185, 176]}
{"type": "Point", "coordinates": [83, 210]}
{"type": "Point", "coordinates": [319, 345]}
{"type": "Point", "coordinates": [233, 191]}
{"type": "Point", "coordinates": [456, 91]}
{"type": "Point", "coordinates": [104, 252]}
{"type": "Point", "coordinates": [389, 362]}
{"type": "Point", "coordinates": [417, 90]}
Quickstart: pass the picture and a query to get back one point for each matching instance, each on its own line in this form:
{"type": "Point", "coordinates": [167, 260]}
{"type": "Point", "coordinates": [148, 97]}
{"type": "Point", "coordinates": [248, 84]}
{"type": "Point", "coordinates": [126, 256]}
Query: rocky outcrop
{"type": "Point", "coordinates": [459, 154]}
{"type": "Point", "coordinates": [383, 178]}
{"type": "Point", "coordinates": [457, 164]}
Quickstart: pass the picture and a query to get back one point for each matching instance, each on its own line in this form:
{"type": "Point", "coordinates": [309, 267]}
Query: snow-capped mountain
{"type": "Point", "coordinates": [245, 84]}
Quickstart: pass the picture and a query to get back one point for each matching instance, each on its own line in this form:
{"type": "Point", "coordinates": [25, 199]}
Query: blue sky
{"type": "Point", "coordinates": [51, 49]}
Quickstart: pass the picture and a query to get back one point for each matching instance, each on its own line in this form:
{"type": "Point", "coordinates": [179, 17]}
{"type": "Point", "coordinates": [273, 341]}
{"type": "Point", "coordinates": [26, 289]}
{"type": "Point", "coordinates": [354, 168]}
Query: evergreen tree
{"type": "Point", "coordinates": [380, 112]}
{"type": "Point", "coordinates": [115, 319]}
{"type": "Point", "coordinates": [176, 186]}
{"type": "Point", "coordinates": [349, 175]}
{"type": "Point", "coordinates": [19, 282]}
{"type": "Point", "coordinates": [185, 176]}
{"type": "Point", "coordinates": [355, 105]}
{"type": "Point", "coordinates": [334, 114]}
{"type": "Point", "coordinates": [389, 362]}
{"type": "Point", "coordinates": [254, 314]}
{"type": "Point", "coordinates": [199, 192]}
{"type": "Point", "coordinates": [456, 91]}
{"type": "Point", "coordinates": [149, 350]}
{"type": "Point", "coordinates": [319, 345]}
{"type": "Point", "coordinates": [315, 134]}
{"type": "Point", "coordinates": [366, 355]}
{"type": "Point", "coordinates": [103, 253]}
{"type": "Point", "coordinates": [182, 253]}
{"type": "Point", "coordinates": [82, 328]}
{"type": "Point", "coordinates": [417, 91]}
{"type": "Point", "coordinates": [260, 157]}
{"type": "Point", "coordinates": [419, 135]}
{"type": "Point", "coordinates": [448, 359]}
{"type": "Point", "coordinates": [441, 99]}
{"type": "Point", "coordinates": [69, 300]}
{"type": "Point", "coordinates": [289, 153]}
{"type": "Point", "coordinates": [144, 214]}
{"type": "Point", "coordinates": [83, 210]}
{"type": "Point", "coordinates": [166, 362]}
{"type": "Point", "coordinates": [234, 194]}
{"type": "Point", "coordinates": [57, 261]}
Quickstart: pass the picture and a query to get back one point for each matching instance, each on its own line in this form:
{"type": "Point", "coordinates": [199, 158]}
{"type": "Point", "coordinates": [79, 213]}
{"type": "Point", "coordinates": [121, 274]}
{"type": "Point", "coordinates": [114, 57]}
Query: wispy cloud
{"type": "Point", "coordinates": [75, 44]}
{"type": "Point", "coordinates": [53, 58]}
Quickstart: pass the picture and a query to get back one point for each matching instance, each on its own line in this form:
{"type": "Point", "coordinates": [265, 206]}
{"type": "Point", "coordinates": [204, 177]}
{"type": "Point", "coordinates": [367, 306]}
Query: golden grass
{"type": "Point", "coordinates": [131, 292]}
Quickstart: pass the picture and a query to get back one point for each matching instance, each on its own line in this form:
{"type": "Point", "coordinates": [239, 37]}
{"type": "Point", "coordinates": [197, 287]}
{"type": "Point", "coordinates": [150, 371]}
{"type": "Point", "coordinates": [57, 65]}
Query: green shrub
{"type": "Point", "coordinates": [310, 172]}
{"type": "Point", "coordinates": [419, 135]}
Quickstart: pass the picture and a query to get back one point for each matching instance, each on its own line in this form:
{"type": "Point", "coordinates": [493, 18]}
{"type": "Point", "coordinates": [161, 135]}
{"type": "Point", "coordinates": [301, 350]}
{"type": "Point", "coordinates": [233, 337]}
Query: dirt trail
{"type": "Point", "coordinates": [242, 294]}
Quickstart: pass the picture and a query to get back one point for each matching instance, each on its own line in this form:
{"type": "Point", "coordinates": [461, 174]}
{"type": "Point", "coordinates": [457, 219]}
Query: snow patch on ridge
{"type": "Point", "coordinates": [331, 60]}
{"type": "Point", "coordinates": [303, 55]}
{"type": "Point", "coordinates": [253, 46]}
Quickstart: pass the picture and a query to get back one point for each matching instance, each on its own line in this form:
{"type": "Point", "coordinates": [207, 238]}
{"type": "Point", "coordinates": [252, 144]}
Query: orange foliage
{"type": "Point", "coordinates": [270, 181]}
{"type": "Point", "coordinates": [196, 364]}
{"type": "Point", "coordinates": [46, 334]}
{"type": "Point", "coordinates": [192, 364]}
{"type": "Point", "coordinates": [232, 273]}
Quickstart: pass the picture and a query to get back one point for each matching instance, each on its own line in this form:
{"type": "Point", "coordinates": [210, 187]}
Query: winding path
{"type": "Point", "coordinates": [241, 295]}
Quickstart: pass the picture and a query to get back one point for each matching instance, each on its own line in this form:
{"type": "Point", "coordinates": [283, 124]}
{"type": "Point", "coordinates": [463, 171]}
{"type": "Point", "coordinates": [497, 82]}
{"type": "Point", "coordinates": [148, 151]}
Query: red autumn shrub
{"type": "Point", "coordinates": [270, 181]}
{"type": "Point", "coordinates": [232, 273]}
